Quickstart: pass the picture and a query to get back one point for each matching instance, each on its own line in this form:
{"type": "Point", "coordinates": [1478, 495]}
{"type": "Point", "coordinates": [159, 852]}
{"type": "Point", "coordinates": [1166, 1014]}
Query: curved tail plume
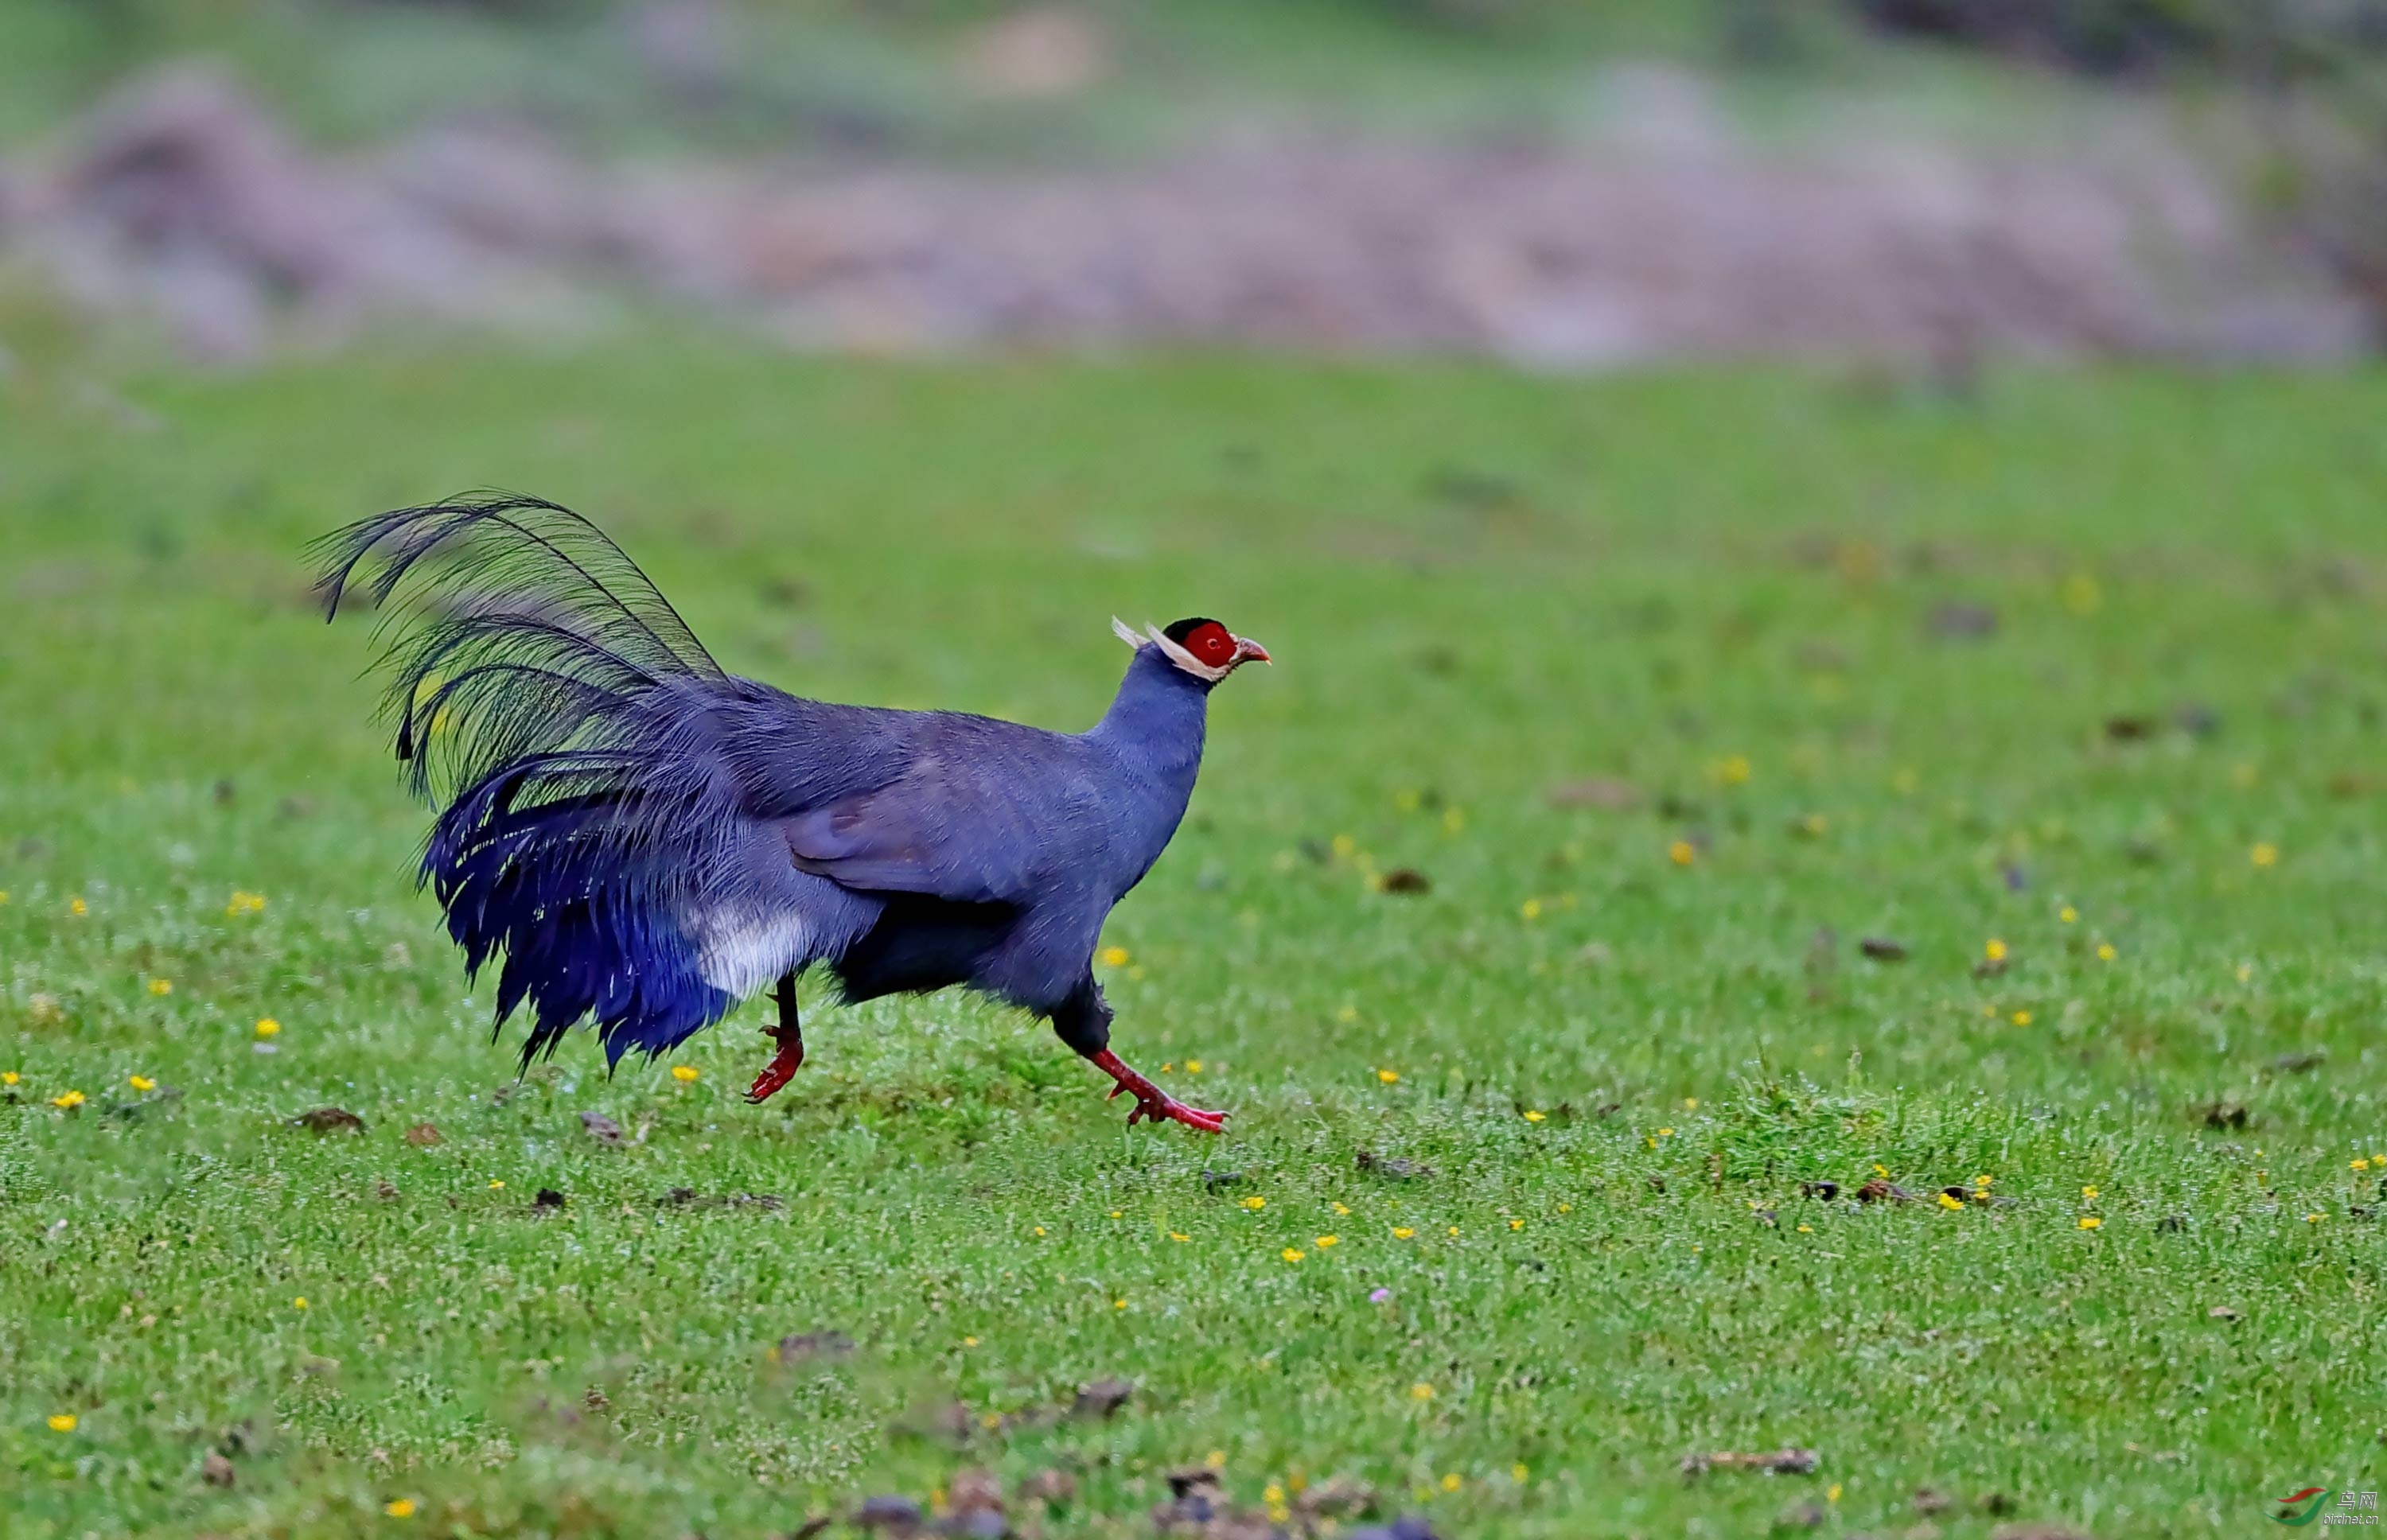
{"type": "Point", "coordinates": [555, 706]}
{"type": "Point", "coordinates": [520, 630]}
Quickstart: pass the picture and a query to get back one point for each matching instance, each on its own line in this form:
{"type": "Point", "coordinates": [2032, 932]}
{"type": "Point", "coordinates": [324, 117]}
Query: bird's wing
{"type": "Point", "coordinates": [955, 833]}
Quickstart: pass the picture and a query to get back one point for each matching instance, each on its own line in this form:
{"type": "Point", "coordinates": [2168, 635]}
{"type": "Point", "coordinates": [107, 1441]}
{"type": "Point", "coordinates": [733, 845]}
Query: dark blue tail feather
{"type": "Point", "coordinates": [553, 700]}
{"type": "Point", "coordinates": [584, 928]}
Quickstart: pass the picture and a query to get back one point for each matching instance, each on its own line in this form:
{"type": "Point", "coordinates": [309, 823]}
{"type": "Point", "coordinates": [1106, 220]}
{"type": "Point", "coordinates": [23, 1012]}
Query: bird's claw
{"type": "Point", "coordinates": [1152, 1104]}
{"type": "Point", "coordinates": [780, 1071]}
{"type": "Point", "coordinates": [1170, 1109]}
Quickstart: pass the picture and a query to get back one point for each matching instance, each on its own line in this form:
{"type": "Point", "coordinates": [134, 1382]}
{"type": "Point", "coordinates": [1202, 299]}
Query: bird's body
{"type": "Point", "coordinates": [649, 841]}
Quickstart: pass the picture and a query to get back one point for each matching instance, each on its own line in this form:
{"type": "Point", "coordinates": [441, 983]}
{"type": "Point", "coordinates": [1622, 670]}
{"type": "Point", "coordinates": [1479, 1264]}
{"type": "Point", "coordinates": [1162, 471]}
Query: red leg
{"type": "Point", "coordinates": [790, 1039]}
{"type": "Point", "coordinates": [1153, 1103]}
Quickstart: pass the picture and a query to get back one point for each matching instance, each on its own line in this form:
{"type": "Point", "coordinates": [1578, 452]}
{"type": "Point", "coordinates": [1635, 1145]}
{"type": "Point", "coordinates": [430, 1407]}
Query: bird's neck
{"type": "Point", "coordinates": [1156, 722]}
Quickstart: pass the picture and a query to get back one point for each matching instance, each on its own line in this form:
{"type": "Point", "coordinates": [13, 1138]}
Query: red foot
{"type": "Point", "coordinates": [782, 1068]}
{"type": "Point", "coordinates": [1153, 1103]}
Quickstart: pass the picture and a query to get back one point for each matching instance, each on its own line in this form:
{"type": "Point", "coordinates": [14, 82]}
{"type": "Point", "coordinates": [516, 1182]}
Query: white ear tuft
{"type": "Point", "coordinates": [1181, 658]}
{"type": "Point", "coordinates": [1126, 633]}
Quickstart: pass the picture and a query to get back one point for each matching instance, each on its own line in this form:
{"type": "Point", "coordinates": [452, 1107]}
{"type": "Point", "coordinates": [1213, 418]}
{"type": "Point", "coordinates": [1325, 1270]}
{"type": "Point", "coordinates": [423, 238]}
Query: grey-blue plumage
{"type": "Point", "coordinates": [648, 840]}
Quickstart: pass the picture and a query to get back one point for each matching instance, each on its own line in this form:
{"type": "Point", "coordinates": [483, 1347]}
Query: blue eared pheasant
{"type": "Point", "coordinates": [648, 840]}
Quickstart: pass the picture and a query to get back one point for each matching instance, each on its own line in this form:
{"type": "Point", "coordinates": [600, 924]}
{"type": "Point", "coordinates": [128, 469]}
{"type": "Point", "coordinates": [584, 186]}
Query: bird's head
{"type": "Point", "coordinates": [1199, 645]}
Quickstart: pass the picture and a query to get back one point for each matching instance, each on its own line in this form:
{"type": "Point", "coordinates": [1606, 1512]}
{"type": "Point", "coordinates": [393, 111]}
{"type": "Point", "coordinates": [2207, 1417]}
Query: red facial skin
{"type": "Point", "coordinates": [1212, 644]}
{"type": "Point", "coordinates": [1216, 647]}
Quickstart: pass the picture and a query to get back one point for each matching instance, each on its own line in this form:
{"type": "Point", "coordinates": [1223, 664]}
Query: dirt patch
{"type": "Point", "coordinates": [181, 198]}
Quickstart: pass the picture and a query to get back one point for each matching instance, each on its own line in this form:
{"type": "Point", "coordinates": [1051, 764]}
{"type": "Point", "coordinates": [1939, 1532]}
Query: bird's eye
{"type": "Point", "coordinates": [1212, 644]}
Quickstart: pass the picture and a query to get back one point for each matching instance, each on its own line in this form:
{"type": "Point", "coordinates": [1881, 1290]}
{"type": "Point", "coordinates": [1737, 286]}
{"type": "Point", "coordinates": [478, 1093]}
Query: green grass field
{"type": "Point", "coordinates": [2085, 671]}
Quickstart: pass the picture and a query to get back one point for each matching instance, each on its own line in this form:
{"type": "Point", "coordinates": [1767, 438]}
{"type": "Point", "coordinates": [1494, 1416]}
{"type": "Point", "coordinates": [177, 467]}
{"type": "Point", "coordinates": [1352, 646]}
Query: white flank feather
{"type": "Point", "coordinates": [742, 954]}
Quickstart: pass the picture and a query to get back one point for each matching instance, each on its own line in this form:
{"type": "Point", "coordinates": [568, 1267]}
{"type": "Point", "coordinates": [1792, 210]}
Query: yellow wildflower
{"type": "Point", "coordinates": [1343, 1208]}
{"type": "Point", "coordinates": [1390, 1077]}
{"type": "Point", "coordinates": [141, 1082]}
{"type": "Point", "coordinates": [2359, 1164]}
{"type": "Point", "coordinates": [1665, 1133]}
{"type": "Point", "coordinates": [67, 1100]}
{"type": "Point", "coordinates": [162, 985]}
{"type": "Point", "coordinates": [970, 1341]}
{"type": "Point", "coordinates": [299, 1303]}
{"type": "Point", "coordinates": [2089, 1221]}
{"type": "Point", "coordinates": [267, 1026]}
{"type": "Point", "coordinates": [1115, 956]}
{"type": "Point", "coordinates": [1402, 1233]}
{"type": "Point", "coordinates": [2315, 1218]}
{"type": "Point", "coordinates": [1453, 820]}
{"type": "Point", "coordinates": [2089, 1193]}
{"type": "Point", "coordinates": [1454, 1232]}
{"type": "Point", "coordinates": [1516, 1224]}
{"type": "Point", "coordinates": [1735, 771]}
{"type": "Point", "coordinates": [2104, 951]}
{"type": "Point", "coordinates": [496, 1185]}
{"type": "Point", "coordinates": [62, 1422]}
{"type": "Point", "coordinates": [1325, 1241]}
{"type": "Point", "coordinates": [2022, 1019]}
{"type": "Point", "coordinates": [2068, 914]}
{"type": "Point", "coordinates": [1531, 909]}
{"type": "Point", "coordinates": [2265, 855]}
{"type": "Point", "coordinates": [1533, 1117]}
{"type": "Point", "coordinates": [1192, 1067]}
{"type": "Point", "coordinates": [1118, 1304]}
{"type": "Point", "coordinates": [1690, 1103]}
{"type": "Point", "coordinates": [8, 1077]}
{"type": "Point", "coordinates": [1256, 1202]}
{"type": "Point", "coordinates": [1994, 949]}
{"type": "Point", "coordinates": [1946, 1202]}
{"type": "Point", "coordinates": [684, 1073]}
{"type": "Point", "coordinates": [1832, 1492]}
{"type": "Point", "coordinates": [1451, 1481]}
{"type": "Point", "coordinates": [77, 906]}
{"type": "Point", "coordinates": [1422, 1391]}
{"type": "Point", "coordinates": [1292, 1254]}
{"type": "Point", "coordinates": [399, 1507]}
{"type": "Point", "coordinates": [1682, 853]}
{"type": "Point", "coordinates": [1179, 1235]}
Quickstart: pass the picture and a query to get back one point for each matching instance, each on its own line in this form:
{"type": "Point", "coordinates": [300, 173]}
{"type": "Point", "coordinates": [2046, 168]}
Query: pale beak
{"type": "Point", "coordinates": [1248, 650]}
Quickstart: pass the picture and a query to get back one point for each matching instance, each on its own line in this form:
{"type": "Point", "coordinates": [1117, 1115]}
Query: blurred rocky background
{"type": "Point", "coordinates": [1563, 183]}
